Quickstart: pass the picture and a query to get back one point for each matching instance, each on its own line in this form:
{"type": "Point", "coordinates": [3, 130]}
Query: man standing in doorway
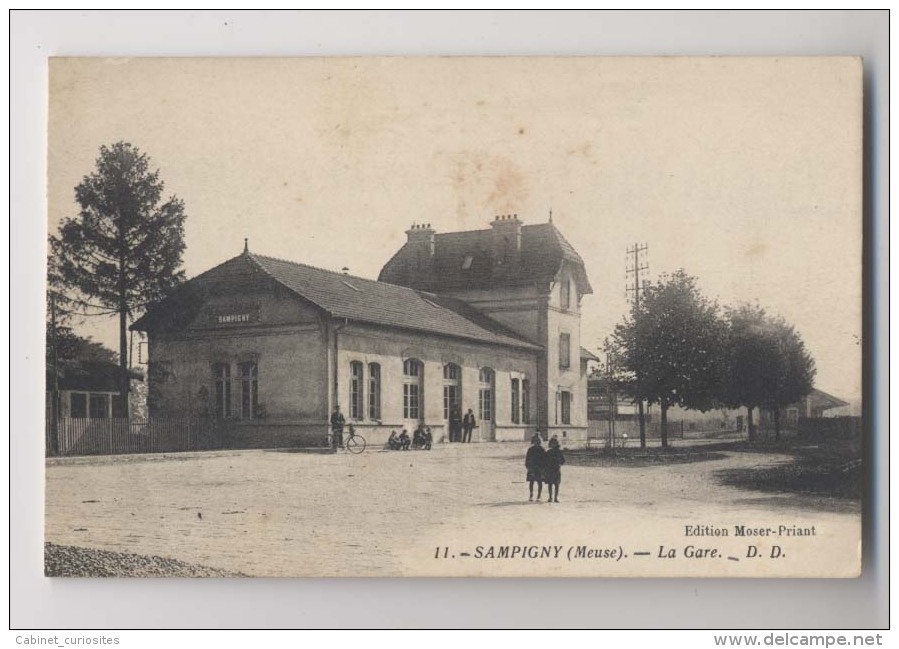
{"type": "Point", "coordinates": [337, 422]}
{"type": "Point", "coordinates": [455, 424]}
{"type": "Point", "coordinates": [468, 423]}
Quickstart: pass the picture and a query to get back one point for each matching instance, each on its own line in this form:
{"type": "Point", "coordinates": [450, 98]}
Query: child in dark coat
{"type": "Point", "coordinates": [552, 469]}
{"type": "Point", "coordinates": [533, 462]}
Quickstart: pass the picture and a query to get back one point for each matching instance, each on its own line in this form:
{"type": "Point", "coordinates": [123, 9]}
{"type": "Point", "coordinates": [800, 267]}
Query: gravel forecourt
{"type": "Point", "coordinates": [288, 513]}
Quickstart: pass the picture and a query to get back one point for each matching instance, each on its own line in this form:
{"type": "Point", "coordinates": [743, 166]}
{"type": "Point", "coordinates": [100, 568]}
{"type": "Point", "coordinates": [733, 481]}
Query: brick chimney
{"type": "Point", "coordinates": [420, 242]}
{"type": "Point", "coordinates": [506, 239]}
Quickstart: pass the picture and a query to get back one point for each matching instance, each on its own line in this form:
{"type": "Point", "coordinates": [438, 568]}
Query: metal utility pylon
{"type": "Point", "coordinates": [637, 266]}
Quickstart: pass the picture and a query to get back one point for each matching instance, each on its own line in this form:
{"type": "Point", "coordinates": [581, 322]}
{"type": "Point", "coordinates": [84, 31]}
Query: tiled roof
{"type": "Point", "coordinates": [543, 249]}
{"type": "Point", "coordinates": [89, 376]}
{"type": "Point", "coordinates": [343, 296]}
{"type": "Point", "coordinates": [587, 354]}
{"type": "Point", "coordinates": [820, 399]}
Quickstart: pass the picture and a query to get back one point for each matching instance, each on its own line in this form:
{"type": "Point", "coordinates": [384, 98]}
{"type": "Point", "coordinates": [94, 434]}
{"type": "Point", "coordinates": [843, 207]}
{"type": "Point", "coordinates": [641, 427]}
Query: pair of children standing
{"type": "Point", "coordinates": [544, 466]}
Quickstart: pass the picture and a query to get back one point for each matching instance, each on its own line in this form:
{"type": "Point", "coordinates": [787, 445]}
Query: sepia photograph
{"type": "Point", "coordinates": [469, 317]}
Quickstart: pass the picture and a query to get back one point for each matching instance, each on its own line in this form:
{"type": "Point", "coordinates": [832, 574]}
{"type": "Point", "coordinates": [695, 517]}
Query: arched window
{"type": "Point", "coordinates": [485, 394]}
{"type": "Point", "coordinates": [412, 389]}
{"type": "Point", "coordinates": [452, 390]}
{"type": "Point", "coordinates": [412, 367]}
{"type": "Point", "coordinates": [374, 391]}
{"type": "Point", "coordinates": [356, 370]}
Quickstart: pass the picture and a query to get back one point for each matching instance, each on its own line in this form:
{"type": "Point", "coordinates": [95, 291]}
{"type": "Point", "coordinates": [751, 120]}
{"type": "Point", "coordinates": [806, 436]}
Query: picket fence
{"type": "Point", "coordinates": [114, 436]}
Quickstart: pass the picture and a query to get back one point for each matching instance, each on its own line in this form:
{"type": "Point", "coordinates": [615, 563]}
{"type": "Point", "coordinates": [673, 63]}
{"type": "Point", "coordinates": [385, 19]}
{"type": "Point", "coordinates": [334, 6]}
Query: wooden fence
{"type": "Point", "coordinates": [831, 427]}
{"type": "Point", "coordinates": [119, 435]}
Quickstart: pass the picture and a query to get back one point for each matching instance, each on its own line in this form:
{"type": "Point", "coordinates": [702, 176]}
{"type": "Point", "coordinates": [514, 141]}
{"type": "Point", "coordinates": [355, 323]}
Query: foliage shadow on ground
{"type": "Point", "coordinates": [638, 458]}
{"type": "Point", "coordinates": [821, 466]}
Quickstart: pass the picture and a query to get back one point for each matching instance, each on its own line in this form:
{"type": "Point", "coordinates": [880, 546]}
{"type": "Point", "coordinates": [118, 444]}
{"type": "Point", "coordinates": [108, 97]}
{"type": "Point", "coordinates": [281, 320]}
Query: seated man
{"type": "Point", "coordinates": [404, 440]}
{"type": "Point", "coordinates": [393, 442]}
{"type": "Point", "coordinates": [418, 437]}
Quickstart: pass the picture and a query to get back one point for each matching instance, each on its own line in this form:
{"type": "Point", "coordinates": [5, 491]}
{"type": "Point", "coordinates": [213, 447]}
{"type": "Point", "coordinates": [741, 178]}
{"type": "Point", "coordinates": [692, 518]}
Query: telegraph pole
{"type": "Point", "coordinates": [54, 405]}
{"type": "Point", "coordinates": [638, 264]}
{"type": "Point", "coordinates": [611, 398]}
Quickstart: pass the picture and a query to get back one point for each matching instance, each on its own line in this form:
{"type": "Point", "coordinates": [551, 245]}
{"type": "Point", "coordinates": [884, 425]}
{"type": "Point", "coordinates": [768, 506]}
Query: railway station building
{"type": "Point", "coordinates": [487, 320]}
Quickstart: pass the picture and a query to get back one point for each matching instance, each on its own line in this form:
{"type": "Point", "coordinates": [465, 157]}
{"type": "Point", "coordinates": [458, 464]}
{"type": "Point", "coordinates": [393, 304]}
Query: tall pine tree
{"type": "Point", "coordinates": [123, 251]}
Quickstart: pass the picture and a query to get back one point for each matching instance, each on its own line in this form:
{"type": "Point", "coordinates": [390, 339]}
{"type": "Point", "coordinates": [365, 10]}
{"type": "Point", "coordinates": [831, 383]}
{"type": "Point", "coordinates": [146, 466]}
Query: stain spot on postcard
{"type": "Point", "coordinates": [483, 182]}
{"type": "Point", "coordinates": [755, 250]}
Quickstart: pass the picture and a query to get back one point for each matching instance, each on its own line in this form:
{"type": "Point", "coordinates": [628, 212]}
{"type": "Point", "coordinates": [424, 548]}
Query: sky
{"type": "Point", "coordinates": [744, 172]}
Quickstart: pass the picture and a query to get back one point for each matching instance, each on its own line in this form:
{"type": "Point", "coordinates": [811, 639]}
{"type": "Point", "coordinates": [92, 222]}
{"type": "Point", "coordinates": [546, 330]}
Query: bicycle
{"type": "Point", "coordinates": [353, 443]}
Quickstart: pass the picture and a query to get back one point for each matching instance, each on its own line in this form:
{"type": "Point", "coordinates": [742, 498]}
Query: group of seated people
{"type": "Point", "coordinates": [421, 440]}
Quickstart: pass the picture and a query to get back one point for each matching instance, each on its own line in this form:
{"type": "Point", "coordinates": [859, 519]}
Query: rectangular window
{"type": "Point", "coordinates": [566, 407]}
{"type": "Point", "coordinates": [78, 405]}
{"type": "Point", "coordinates": [99, 406]}
{"type": "Point", "coordinates": [356, 390]}
{"type": "Point", "coordinates": [249, 390]}
{"type": "Point", "coordinates": [565, 294]}
{"type": "Point", "coordinates": [564, 351]}
{"type": "Point", "coordinates": [222, 373]}
{"type": "Point", "coordinates": [516, 401]}
{"type": "Point", "coordinates": [525, 401]}
{"type": "Point", "coordinates": [374, 391]}
{"type": "Point", "coordinates": [410, 401]}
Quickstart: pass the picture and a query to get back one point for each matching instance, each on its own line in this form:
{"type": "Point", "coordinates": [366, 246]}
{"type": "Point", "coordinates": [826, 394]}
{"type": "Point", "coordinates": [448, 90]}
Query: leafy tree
{"type": "Point", "coordinates": [72, 347]}
{"type": "Point", "coordinates": [793, 375]}
{"type": "Point", "coordinates": [123, 250]}
{"type": "Point", "coordinates": [749, 357]}
{"type": "Point", "coordinates": [62, 343]}
{"type": "Point", "coordinates": [768, 365]}
{"type": "Point", "coordinates": [672, 345]}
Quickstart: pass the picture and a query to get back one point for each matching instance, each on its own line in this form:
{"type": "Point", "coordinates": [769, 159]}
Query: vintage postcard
{"type": "Point", "coordinates": [483, 317]}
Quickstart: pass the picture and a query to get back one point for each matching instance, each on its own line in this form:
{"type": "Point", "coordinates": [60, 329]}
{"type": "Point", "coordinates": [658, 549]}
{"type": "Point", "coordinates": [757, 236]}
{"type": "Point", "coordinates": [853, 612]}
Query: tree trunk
{"type": "Point", "coordinates": [750, 429]}
{"type": "Point", "coordinates": [663, 407]}
{"type": "Point", "coordinates": [123, 360]}
{"type": "Point", "coordinates": [776, 423]}
{"type": "Point", "coordinates": [642, 418]}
